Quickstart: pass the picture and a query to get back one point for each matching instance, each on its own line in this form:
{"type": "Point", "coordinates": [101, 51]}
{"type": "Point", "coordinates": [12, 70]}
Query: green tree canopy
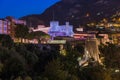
{"type": "Point", "coordinates": [21, 31]}
{"type": "Point", "coordinates": [39, 35]}
{"type": "Point", "coordinates": [6, 40]}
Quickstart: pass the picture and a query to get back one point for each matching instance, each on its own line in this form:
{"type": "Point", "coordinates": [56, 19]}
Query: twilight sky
{"type": "Point", "coordinates": [19, 8]}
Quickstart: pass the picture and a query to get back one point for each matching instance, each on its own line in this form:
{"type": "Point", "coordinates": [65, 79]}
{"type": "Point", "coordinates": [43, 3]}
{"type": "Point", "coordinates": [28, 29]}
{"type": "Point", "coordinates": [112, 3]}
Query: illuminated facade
{"type": "Point", "coordinates": [13, 24]}
{"type": "Point", "coordinates": [40, 28]}
{"type": "Point", "coordinates": [4, 27]}
{"type": "Point", "coordinates": [60, 30]}
{"type": "Point", "coordinates": [7, 25]}
{"type": "Point", "coordinates": [17, 21]}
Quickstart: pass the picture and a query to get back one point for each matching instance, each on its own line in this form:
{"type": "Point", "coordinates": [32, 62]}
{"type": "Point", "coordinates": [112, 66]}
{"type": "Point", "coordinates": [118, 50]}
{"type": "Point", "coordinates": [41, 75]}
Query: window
{"type": "Point", "coordinates": [5, 28]}
{"type": "Point", "coordinates": [5, 23]}
{"type": "Point", "coordinates": [0, 28]}
{"type": "Point", "coordinates": [0, 31]}
{"type": "Point", "coordinates": [0, 22]}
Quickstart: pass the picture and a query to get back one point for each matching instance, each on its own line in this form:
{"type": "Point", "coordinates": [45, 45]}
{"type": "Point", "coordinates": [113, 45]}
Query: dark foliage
{"type": "Point", "coordinates": [6, 41]}
{"type": "Point", "coordinates": [45, 62]}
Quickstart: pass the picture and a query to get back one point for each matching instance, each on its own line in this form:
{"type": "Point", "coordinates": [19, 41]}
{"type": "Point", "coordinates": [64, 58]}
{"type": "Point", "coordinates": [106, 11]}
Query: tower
{"type": "Point", "coordinates": [54, 28]}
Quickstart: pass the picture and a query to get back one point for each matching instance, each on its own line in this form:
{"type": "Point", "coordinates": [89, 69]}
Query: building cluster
{"type": "Point", "coordinates": [110, 28]}
{"type": "Point", "coordinates": [103, 36]}
{"type": "Point", "coordinates": [55, 29]}
{"type": "Point", "coordinates": [4, 26]}
{"type": "Point", "coordinates": [60, 30]}
{"type": "Point", "coordinates": [110, 25]}
{"type": "Point", "coordinates": [7, 25]}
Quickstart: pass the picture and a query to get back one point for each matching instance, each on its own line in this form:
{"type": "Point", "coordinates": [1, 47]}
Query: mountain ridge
{"type": "Point", "coordinates": [77, 12]}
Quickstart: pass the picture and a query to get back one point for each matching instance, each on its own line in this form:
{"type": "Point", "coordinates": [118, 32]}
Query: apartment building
{"type": "Point", "coordinates": [4, 26]}
{"type": "Point", "coordinates": [7, 25]}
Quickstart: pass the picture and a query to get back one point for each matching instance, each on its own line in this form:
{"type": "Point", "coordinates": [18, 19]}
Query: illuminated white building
{"type": "Point", "coordinates": [41, 28]}
{"type": "Point", "coordinates": [60, 30]}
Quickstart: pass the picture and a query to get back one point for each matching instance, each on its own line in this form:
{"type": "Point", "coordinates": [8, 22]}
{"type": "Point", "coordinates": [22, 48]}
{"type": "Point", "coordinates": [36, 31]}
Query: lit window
{"type": "Point", "coordinates": [5, 28]}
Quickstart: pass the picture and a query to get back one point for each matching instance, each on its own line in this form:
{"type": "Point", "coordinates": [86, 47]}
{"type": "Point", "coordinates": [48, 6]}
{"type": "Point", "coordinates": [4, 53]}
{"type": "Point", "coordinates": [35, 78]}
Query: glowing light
{"type": "Point", "coordinates": [57, 30]}
{"type": "Point", "coordinates": [56, 42]}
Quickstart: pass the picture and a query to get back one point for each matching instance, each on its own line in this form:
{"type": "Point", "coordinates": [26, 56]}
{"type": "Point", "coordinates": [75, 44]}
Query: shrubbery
{"type": "Point", "coordinates": [31, 62]}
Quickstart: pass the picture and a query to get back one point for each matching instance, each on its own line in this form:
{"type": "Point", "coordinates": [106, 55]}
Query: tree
{"type": "Point", "coordinates": [95, 73]}
{"type": "Point", "coordinates": [30, 35]}
{"type": "Point", "coordinates": [13, 67]}
{"type": "Point", "coordinates": [70, 60]}
{"type": "Point", "coordinates": [19, 78]}
{"type": "Point", "coordinates": [39, 35]}
{"type": "Point", "coordinates": [111, 54]}
{"type": "Point", "coordinates": [6, 41]}
{"type": "Point", "coordinates": [28, 78]}
{"type": "Point", "coordinates": [1, 67]}
{"type": "Point", "coordinates": [21, 31]}
{"type": "Point", "coordinates": [54, 71]}
{"type": "Point", "coordinates": [4, 54]}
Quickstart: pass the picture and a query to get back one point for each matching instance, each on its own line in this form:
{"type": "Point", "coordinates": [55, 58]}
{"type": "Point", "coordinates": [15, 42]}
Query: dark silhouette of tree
{"type": "Point", "coordinates": [39, 35]}
{"type": "Point", "coordinates": [95, 73]}
{"type": "Point", "coordinates": [6, 41]}
{"type": "Point", "coordinates": [55, 71]}
{"type": "Point", "coordinates": [21, 31]}
{"type": "Point", "coordinates": [111, 54]}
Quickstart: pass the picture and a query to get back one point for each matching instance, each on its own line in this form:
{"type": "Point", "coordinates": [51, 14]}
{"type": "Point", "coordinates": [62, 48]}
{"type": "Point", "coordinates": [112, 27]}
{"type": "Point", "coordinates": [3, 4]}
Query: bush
{"type": "Point", "coordinates": [28, 78]}
{"type": "Point", "coordinates": [95, 73]}
{"type": "Point", "coordinates": [6, 41]}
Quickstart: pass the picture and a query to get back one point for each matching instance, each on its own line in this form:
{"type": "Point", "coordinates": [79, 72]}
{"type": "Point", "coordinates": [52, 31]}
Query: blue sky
{"type": "Point", "coordinates": [19, 8]}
